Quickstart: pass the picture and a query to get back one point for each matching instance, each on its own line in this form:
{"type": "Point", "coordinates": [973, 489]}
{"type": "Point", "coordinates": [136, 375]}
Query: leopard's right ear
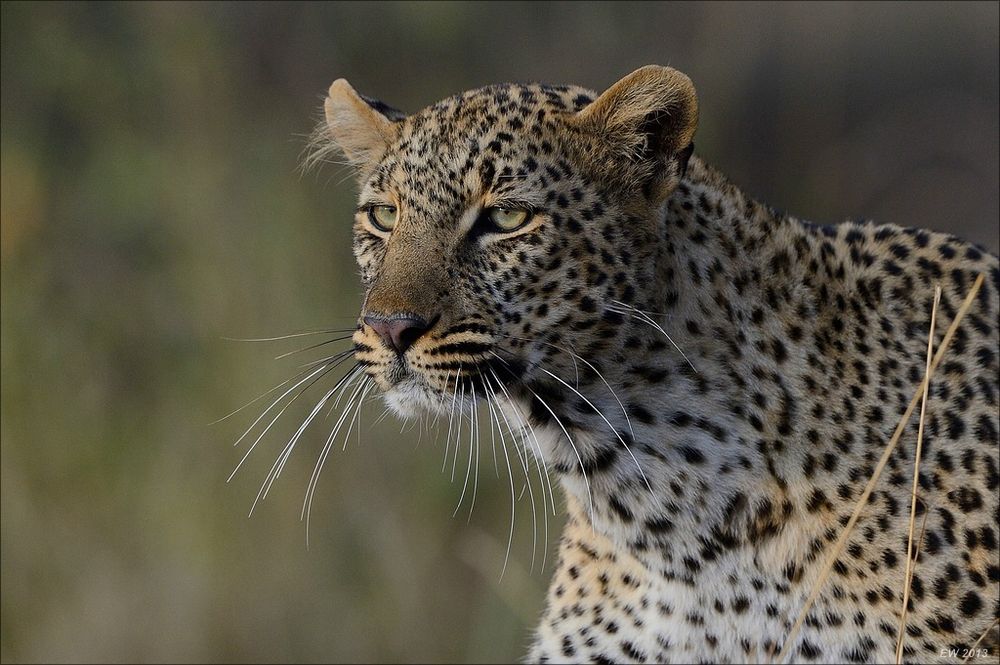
{"type": "Point", "coordinates": [359, 127]}
{"type": "Point", "coordinates": [648, 118]}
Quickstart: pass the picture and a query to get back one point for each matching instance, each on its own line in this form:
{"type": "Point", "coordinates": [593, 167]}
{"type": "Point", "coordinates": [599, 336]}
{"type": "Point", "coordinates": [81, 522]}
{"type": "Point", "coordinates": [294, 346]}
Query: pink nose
{"type": "Point", "coordinates": [398, 332]}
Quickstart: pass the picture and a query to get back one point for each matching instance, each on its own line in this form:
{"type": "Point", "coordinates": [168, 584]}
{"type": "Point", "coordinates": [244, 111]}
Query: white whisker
{"type": "Point", "coordinates": [356, 418]}
{"type": "Point", "coordinates": [312, 346]}
{"type": "Point", "coordinates": [472, 433]}
{"type": "Point", "coordinates": [477, 433]}
{"type": "Point", "coordinates": [266, 393]}
{"type": "Point", "coordinates": [458, 433]}
{"type": "Point", "coordinates": [615, 431]}
{"type": "Point", "coordinates": [344, 385]}
{"type": "Point", "coordinates": [324, 371]}
{"type": "Point", "coordinates": [592, 367]}
{"type": "Point", "coordinates": [324, 453]}
{"type": "Point", "coordinates": [382, 416]}
{"type": "Point", "coordinates": [527, 428]}
{"type": "Point", "coordinates": [279, 463]}
{"type": "Point", "coordinates": [290, 336]}
{"type": "Point", "coordinates": [335, 356]}
{"type": "Point", "coordinates": [451, 418]}
{"type": "Point", "coordinates": [583, 469]}
{"type": "Point", "coordinates": [639, 315]}
{"type": "Point", "coordinates": [510, 474]}
{"type": "Point", "coordinates": [281, 397]}
{"type": "Point", "coordinates": [493, 435]}
{"type": "Point", "coordinates": [527, 478]}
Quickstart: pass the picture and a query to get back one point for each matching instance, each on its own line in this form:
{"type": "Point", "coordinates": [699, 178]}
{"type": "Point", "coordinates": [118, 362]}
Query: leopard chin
{"type": "Point", "coordinates": [412, 397]}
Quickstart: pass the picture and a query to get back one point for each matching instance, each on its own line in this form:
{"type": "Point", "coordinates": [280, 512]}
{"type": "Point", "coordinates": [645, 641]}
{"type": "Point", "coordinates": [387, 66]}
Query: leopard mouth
{"type": "Point", "coordinates": [462, 362]}
{"type": "Point", "coordinates": [398, 371]}
{"type": "Point", "coordinates": [411, 388]}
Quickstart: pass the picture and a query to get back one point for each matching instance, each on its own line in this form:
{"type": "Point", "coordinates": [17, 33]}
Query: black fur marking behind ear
{"type": "Point", "coordinates": [651, 127]}
{"type": "Point", "coordinates": [389, 112]}
{"type": "Point", "coordinates": [683, 157]}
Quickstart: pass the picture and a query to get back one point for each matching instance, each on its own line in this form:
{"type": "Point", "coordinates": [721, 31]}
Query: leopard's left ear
{"type": "Point", "coordinates": [649, 117]}
{"type": "Point", "coordinates": [358, 126]}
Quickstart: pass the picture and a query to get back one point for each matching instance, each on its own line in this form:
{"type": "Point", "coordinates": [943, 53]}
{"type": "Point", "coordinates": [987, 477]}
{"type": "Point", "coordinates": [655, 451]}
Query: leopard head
{"type": "Point", "coordinates": [500, 232]}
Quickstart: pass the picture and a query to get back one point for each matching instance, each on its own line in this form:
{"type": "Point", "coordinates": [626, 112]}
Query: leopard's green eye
{"type": "Point", "coordinates": [506, 219]}
{"type": "Point", "coordinates": [383, 218]}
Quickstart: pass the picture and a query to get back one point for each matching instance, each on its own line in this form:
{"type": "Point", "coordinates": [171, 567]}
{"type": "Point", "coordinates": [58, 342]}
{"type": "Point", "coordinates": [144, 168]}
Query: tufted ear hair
{"type": "Point", "coordinates": [649, 117]}
{"type": "Point", "coordinates": [359, 127]}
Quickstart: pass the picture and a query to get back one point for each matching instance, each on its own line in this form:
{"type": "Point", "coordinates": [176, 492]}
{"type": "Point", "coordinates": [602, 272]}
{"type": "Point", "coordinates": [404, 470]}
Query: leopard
{"type": "Point", "coordinates": [711, 381]}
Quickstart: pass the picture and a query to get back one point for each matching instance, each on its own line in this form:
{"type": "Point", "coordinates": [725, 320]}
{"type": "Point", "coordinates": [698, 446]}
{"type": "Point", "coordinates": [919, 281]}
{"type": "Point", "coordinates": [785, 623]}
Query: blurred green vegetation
{"type": "Point", "coordinates": [151, 206]}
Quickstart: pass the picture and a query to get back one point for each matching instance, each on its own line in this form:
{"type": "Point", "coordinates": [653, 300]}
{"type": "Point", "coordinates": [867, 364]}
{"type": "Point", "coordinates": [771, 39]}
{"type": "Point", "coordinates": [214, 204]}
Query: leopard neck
{"type": "Point", "coordinates": [707, 446]}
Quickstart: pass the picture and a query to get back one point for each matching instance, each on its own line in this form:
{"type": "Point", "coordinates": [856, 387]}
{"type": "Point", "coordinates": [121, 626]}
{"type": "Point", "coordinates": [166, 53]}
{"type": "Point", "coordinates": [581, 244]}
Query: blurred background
{"type": "Point", "coordinates": [152, 206]}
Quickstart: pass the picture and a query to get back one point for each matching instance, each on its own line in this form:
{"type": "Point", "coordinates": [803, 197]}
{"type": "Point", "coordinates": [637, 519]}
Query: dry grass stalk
{"type": "Point", "coordinates": [972, 649]}
{"type": "Point", "coordinates": [863, 499]}
{"type": "Point", "coordinates": [908, 576]}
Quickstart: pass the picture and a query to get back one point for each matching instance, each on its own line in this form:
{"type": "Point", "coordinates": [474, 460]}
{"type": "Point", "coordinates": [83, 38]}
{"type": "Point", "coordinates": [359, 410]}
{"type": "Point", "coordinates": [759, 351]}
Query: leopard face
{"type": "Point", "coordinates": [500, 232]}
